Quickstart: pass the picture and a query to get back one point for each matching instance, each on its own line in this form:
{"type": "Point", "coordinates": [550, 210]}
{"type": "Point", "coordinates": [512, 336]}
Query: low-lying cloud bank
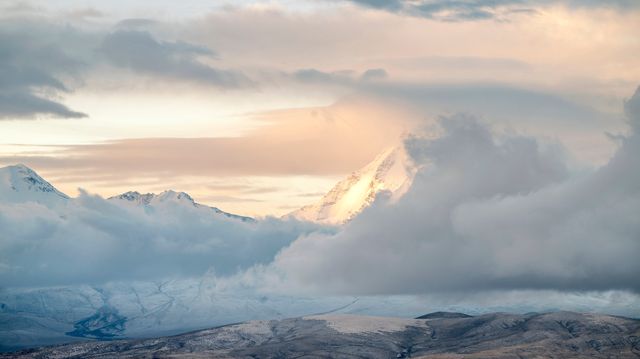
{"type": "Point", "coordinates": [487, 212]}
{"type": "Point", "coordinates": [92, 240]}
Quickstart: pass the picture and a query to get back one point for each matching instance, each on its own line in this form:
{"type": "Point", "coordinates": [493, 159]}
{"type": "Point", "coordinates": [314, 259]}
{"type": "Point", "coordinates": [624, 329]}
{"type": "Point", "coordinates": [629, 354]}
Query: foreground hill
{"type": "Point", "coordinates": [443, 335]}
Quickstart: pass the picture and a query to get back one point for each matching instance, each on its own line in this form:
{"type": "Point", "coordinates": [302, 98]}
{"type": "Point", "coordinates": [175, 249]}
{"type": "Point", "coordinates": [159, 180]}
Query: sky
{"type": "Point", "coordinates": [260, 107]}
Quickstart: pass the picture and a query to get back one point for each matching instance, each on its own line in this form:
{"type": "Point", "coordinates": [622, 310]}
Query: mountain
{"type": "Point", "coordinates": [134, 197]}
{"type": "Point", "coordinates": [498, 335]}
{"type": "Point", "coordinates": [391, 172]}
{"type": "Point", "coordinates": [170, 198]}
{"type": "Point", "coordinates": [19, 183]}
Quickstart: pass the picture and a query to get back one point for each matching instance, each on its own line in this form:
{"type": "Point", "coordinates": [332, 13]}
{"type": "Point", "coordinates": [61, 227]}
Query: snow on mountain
{"type": "Point", "coordinates": [392, 172]}
{"type": "Point", "coordinates": [152, 199]}
{"type": "Point", "coordinates": [134, 197]}
{"type": "Point", "coordinates": [169, 198]}
{"type": "Point", "coordinates": [19, 183]}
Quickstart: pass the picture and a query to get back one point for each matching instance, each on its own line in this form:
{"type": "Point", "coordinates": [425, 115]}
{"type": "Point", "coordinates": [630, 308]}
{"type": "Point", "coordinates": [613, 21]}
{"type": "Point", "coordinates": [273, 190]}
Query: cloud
{"type": "Point", "coordinates": [43, 60]}
{"type": "Point", "coordinates": [140, 51]}
{"type": "Point", "coordinates": [331, 140]}
{"type": "Point", "coordinates": [463, 63]}
{"type": "Point", "coordinates": [487, 212]}
{"type": "Point", "coordinates": [374, 74]}
{"type": "Point", "coordinates": [133, 24]}
{"type": "Point", "coordinates": [471, 10]}
{"type": "Point", "coordinates": [576, 124]}
{"type": "Point", "coordinates": [450, 10]}
{"type": "Point", "coordinates": [496, 102]}
{"type": "Point", "coordinates": [86, 13]}
{"type": "Point", "coordinates": [31, 65]}
{"type": "Point", "coordinates": [315, 76]}
{"type": "Point", "coordinates": [23, 104]}
{"type": "Point", "coordinates": [92, 240]}
{"type": "Point", "coordinates": [339, 138]}
{"type": "Point", "coordinates": [344, 77]}
{"type": "Point", "coordinates": [183, 53]}
{"type": "Point", "coordinates": [309, 149]}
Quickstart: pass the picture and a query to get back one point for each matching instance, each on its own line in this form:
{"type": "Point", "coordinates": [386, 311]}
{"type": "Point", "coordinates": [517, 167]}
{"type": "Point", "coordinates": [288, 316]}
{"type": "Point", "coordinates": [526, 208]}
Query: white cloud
{"type": "Point", "coordinates": [487, 212]}
{"type": "Point", "coordinates": [92, 240]}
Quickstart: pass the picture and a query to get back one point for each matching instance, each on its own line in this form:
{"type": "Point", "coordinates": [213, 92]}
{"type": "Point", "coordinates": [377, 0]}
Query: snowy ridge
{"type": "Point", "coordinates": [19, 183]}
{"type": "Point", "coordinates": [392, 172]}
{"type": "Point", "coordinates": [134, 197]}
{"type": "Point", "coordinates": [150, 199]}
{"type": "Point", "coordinates": [169, 197]}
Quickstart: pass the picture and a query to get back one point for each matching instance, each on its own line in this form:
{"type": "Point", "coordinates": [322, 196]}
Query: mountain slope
{"type": "Point", "coordinates": [19, 183]}
{"type": "Point", "coordinates": [392, 171]}
{"type": "Point", "coordinates": [498, 335]}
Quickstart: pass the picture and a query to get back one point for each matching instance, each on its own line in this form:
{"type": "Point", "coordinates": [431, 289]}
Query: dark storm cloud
{"type": "Point", "coordinates": [141, 52]}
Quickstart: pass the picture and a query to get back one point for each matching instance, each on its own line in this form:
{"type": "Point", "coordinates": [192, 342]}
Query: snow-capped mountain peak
{"type": "Point", "coordinates": [174, 196]}
{"type": "Point", "coordinates": [170, 198]}
{"type": "Point", "coordinates": [134, 197]}
{"type": "Point", "coordinates": [19, 183]}
{"type": "Point", "coordinates": [392, 172]}
{"type": "Point", "coordinates": [138, 198]}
